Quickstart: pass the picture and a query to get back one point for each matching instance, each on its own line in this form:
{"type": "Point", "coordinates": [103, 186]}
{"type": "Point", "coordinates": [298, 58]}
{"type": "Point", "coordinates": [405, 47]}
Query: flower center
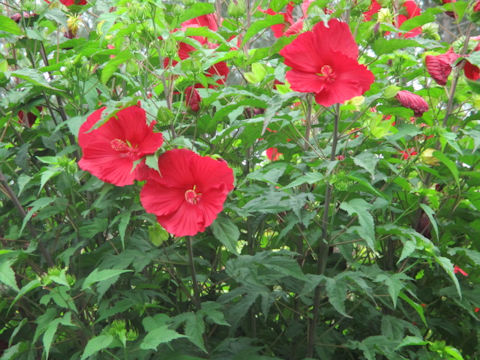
{"type": "Point", "coordinates": [123, 147]}
{"type": "Point", "coordinates": [192, 196]}
{"type": "Point", "coordinates": [327, 73]}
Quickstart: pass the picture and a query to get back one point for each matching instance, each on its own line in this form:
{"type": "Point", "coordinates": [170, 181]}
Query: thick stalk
{"type": "Point", "coordinates": [322, 252]}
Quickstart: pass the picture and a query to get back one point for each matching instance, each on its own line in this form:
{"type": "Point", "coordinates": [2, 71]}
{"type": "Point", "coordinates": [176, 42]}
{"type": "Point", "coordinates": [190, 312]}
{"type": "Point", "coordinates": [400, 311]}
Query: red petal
{"type": "Point", "coordinates": [373, 9]}
{"type": "Point", "coordinates": [471, 71]}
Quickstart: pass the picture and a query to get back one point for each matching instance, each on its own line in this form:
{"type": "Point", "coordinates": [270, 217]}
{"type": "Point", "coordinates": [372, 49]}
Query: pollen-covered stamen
{"type": "Point", "coordinates": [192, 196]}
{"type": "Point", "coordinates": [123, 147]}
{"type": "Point", "coordinates": [327, 73]}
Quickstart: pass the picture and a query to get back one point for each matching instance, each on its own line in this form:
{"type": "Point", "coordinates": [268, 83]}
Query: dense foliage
{"type": "Point", "coordinates": [352, 230]}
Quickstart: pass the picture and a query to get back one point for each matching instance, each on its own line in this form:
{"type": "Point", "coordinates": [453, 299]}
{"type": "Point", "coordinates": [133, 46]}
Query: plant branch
{"type": "Point", "coordinates": [196, 290]}
{"type": "Point", "coordinates": [323, 246]}
{"type": "Point", "coordinates": [23, 213]}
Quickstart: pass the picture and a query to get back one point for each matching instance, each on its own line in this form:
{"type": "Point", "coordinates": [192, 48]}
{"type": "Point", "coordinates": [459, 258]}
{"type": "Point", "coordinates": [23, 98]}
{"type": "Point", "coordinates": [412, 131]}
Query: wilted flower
{"type": "Point", "coordinates": [440, 66]}
{"type": "Point", "coordinates": [412, 101]}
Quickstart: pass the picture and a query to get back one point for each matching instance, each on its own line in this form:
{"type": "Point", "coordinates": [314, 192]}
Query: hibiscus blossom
{"type": "Point", "coordinates": [110, 151]}
{"type": "Point", "coordinates": [373, 9]}
{"type": "Point", "coordinates": [324, 62]}
{"type": "Point", "coordinates": [188, 192]}
{"type": "Point", "coordinates": [412, 101]}
{"type": "Point", "coordinates": [273, 154]}
{"type": "Point", "coordinates": [412, 10]}
{"type": "Point", "coordinates": [471, 71]}
{"type": "Point", "coordinates": [440, 66]}
{"type": "Point", "coordinates": [289, 26]}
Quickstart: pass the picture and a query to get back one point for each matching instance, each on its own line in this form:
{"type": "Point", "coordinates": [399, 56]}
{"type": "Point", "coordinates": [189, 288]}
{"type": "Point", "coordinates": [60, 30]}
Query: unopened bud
{"type": "Point", "coordinates": [385, 16]}
{"type": "Point", "coordinates": [73, 24]}
{"type": "Point", "coordinates": [427, 157]}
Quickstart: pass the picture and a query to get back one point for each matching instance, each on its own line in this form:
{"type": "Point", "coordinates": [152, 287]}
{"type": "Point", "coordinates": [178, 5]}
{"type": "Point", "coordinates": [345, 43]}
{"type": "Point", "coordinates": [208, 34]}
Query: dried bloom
{"type": "Point", "coordinates": [440, 66]}
{"type": "Point", "coordinates": [412, 101]}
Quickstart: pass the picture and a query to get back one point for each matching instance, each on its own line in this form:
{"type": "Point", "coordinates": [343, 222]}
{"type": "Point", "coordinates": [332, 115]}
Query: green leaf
{"type": "Point", "coordinates": [48, 336]}
{"type": "Point", "coordinates": [430, 213]}
{"type": "Point", "coordinates": [367, 225]}
{"type": "Point", "coordinates": [113, 64]}
{"type": "Point", "coordinates": [122, 226]}
{"type": "Point", "coordinates": [449, 164]}
{"type": "Point", "coordinates": [35, 206]}
{"type": "Point", "coordinates": [7, 275]}
{"type": "Point", "coordinates": [260, 25]}
{"type": "Point", "coordinates": [309, 178]}
{"type": "Point", "coordinates": [447, 265]}
{"type": "Point", "coordinates": [368, 161]}
{"type": "Point", "coordinates": [10, 26]}
{"type": "Point", "coordinates": [101, 275]}
{"type": "Point", "coordinates": [194, 329]}
{"type": "Point", "coordinates": [383, 46]}
{"type": "Point", "coordinates": [34, 77]}
{"type": "Point", "coordinates": [411, 341]}
{"type": "Point", "coordinates": [195, 10]}
{"type": "Point", "coordinates": [337, 293]}
{"type": "Point", "coordinates": [47, 174]}
{"type": "Point", "coordinates": [96, 344]}
{"type": "Point", "coordinates": [474, 58]}
{"type": "Point", "coordinates": [157, 234]}
{"type": "Point", "coordinates": [418, 308]}
{"type": "Point", "coordinates": [226, 232]}
{"type": "Point", "coordinates": [25, 289]}
{"type": "Point", "coordinates": [157, 336]}
{"type": "Point", "coordinates": [394, 284]}
{"type": "Point", "coordinates": [427, 16]}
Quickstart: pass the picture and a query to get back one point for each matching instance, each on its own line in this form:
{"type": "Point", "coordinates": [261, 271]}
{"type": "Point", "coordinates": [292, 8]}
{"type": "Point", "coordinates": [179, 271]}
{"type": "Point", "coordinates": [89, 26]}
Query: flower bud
{"type": "Point", "coordinates": [236, 8]}
{"type": "Point", "coordinates": [385, 16]}
{"type": "Point", "coordinates": [427, 157]}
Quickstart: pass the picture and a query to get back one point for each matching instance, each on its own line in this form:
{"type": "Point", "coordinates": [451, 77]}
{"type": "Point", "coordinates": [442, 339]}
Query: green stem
{"type": "Point", "coordinates": [196, 290]}
{"type": "Point", "coordinates": [322, 253]}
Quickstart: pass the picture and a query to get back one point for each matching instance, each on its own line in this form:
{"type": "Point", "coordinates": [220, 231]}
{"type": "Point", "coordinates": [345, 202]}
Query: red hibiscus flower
{"type": "Point", "coordinates": [280, 30]}
{"type": "Point", "coordinates": [458, 269]}
{"type": "Point", "coordinates": [407, 153]}
{"type": "Point", "coordinates": [208, 20]}
{"type": "Point", "coordinates": [412, 10]}
{"type": "Point", "coordinates": [412, 101]}
{"type": "Point", "coordinates": [472, 71]}
{"type": "Point", "coordinates": [109, 151]}
{"type": "Point", "coordinates": [273, 154]}
{"type": "Point", "coordinates": [324, 62]}
{"type": "Point", "coordinates": [440, 66]}
{"type": "Point", "coordinates": [476, 7]}
{"type": "Point", "coordinates": [373, 9]}
{"type": "Point", "coordinates": [192, 98]}
{"type": "Point", "coordinates": [188, 192]}
{"type": "Point", "coordinates": [219, 69]}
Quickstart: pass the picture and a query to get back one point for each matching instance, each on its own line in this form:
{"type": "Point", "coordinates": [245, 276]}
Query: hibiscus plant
{"type": "Point", "coordinates": [239, 179]}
